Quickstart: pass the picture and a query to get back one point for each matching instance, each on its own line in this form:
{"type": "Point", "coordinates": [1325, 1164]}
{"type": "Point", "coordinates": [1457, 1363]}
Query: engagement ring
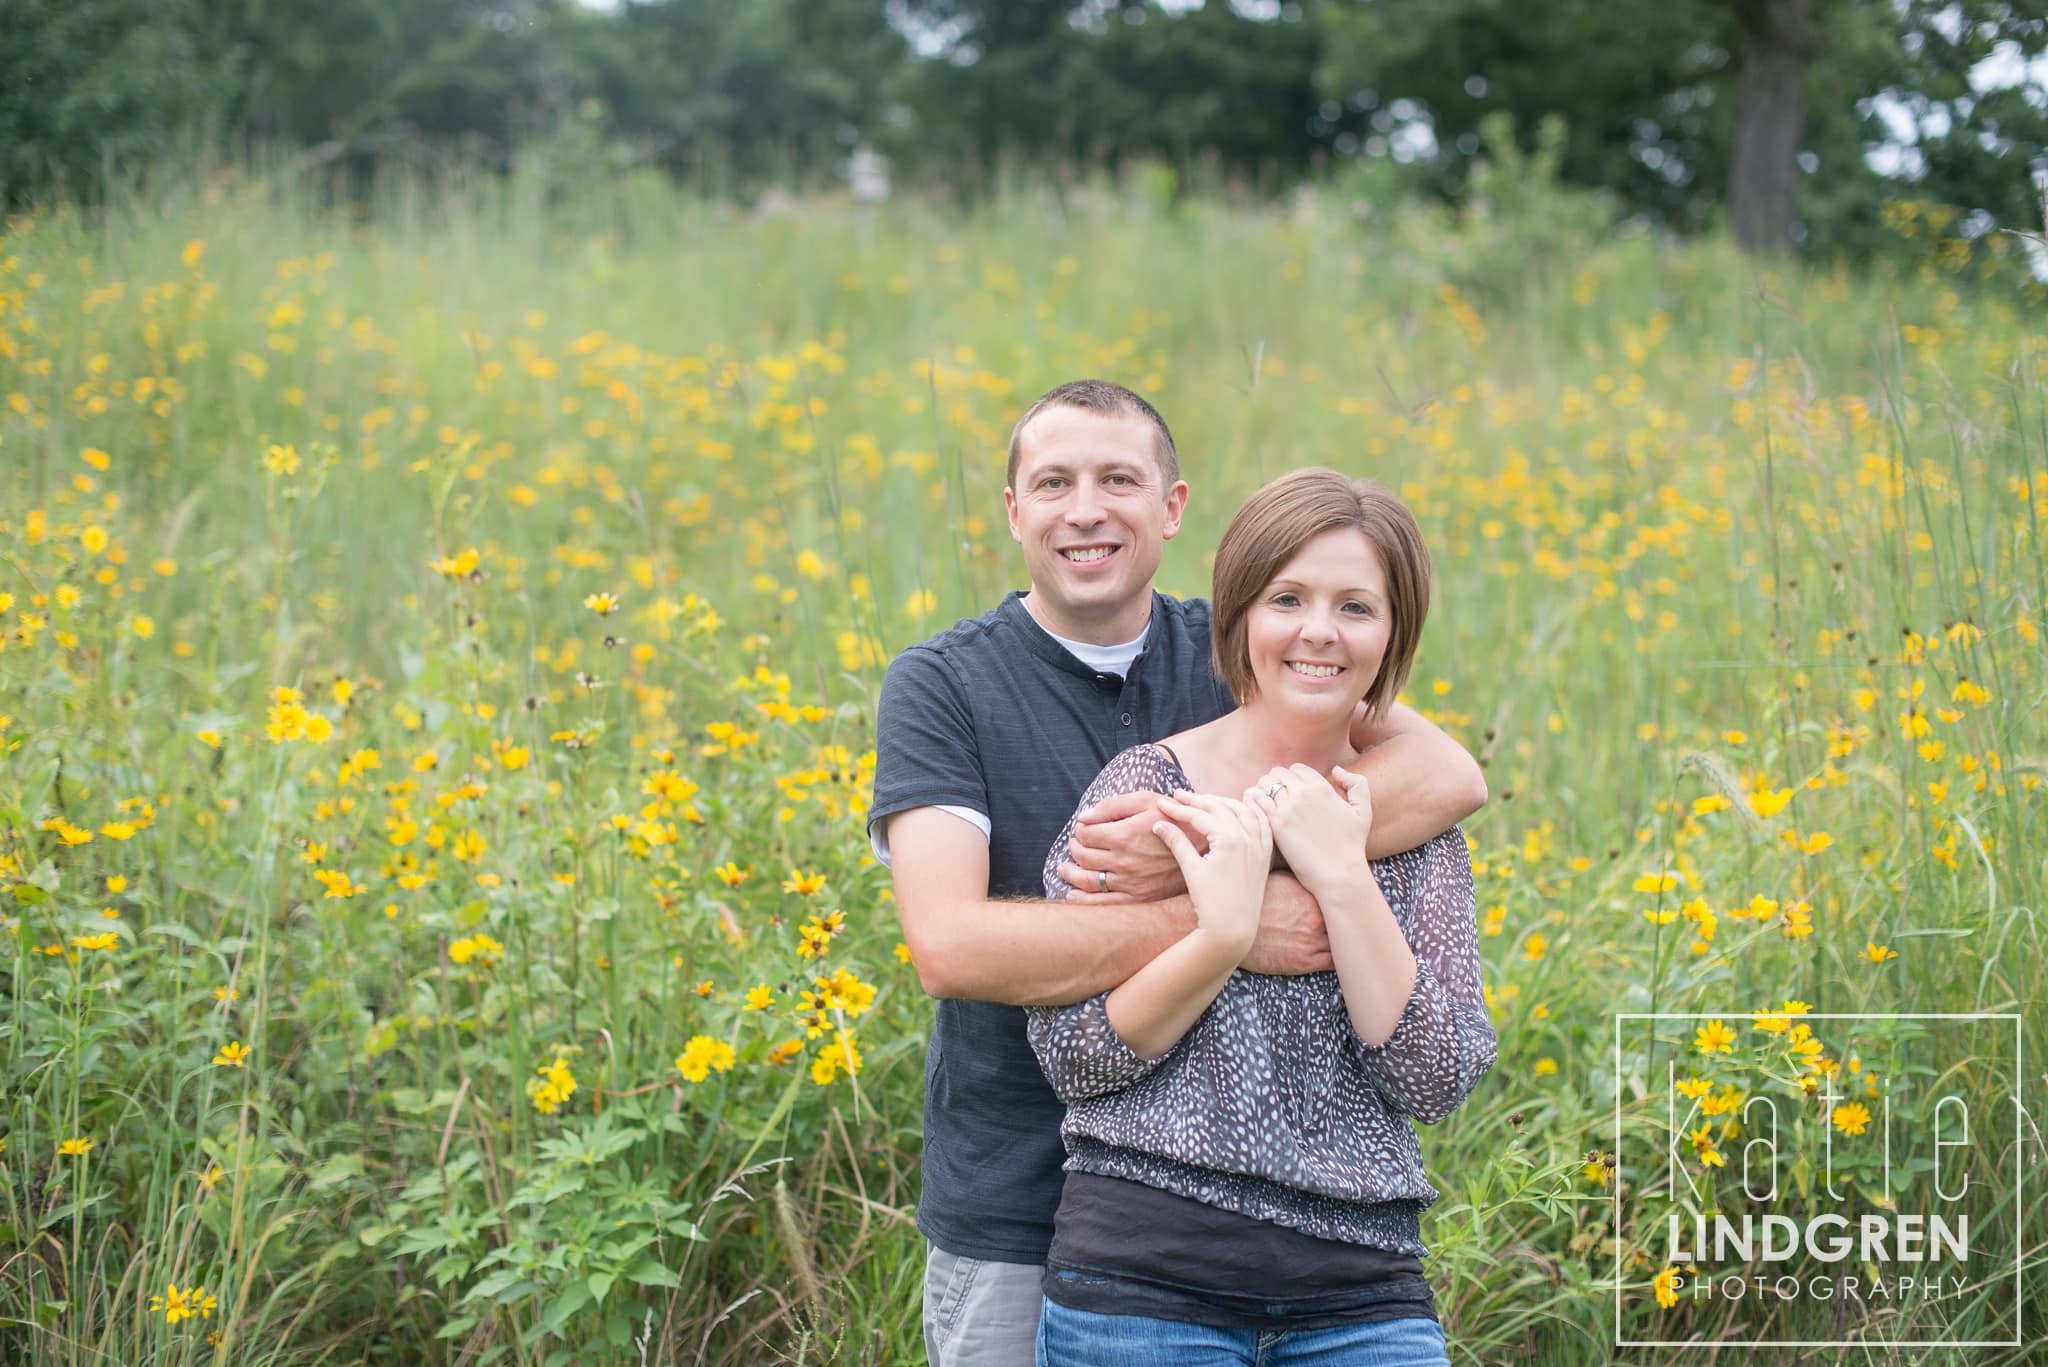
{"type": "Point", "coordinates": [1272, 790]}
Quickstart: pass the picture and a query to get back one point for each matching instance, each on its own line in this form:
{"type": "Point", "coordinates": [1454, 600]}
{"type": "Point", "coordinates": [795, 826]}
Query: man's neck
{"type": "Point", "coordinates": [1126, 624]}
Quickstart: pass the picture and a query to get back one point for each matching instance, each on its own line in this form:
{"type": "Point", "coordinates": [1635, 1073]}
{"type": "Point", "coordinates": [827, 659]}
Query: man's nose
{"type": "Point", "coordinates": [1084, 509]}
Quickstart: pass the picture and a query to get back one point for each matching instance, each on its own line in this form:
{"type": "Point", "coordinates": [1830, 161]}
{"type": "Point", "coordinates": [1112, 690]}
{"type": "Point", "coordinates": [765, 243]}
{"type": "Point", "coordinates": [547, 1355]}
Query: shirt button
{"type": "Point", "coordinates": [1127, 719]}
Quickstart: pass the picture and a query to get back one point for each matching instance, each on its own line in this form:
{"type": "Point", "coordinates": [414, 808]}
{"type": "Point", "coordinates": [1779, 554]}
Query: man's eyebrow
{"type": "Point", "coordinates": [1062, 468]}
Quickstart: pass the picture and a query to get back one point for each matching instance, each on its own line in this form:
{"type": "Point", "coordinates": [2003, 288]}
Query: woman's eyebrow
{"type": "Point", "coordinates": [1277, 584]}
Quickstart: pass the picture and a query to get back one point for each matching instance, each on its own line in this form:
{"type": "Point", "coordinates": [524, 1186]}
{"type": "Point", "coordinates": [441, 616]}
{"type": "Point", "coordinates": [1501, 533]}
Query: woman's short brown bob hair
{"type": "Point", "coordinates": [1273, 526]}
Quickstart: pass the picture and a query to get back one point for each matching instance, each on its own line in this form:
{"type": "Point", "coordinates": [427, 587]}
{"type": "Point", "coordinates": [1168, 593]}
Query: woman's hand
{"type": "Point", "coordinates": [1227, 883]}
{"type": "Point", "coordinates": [1320, 828]}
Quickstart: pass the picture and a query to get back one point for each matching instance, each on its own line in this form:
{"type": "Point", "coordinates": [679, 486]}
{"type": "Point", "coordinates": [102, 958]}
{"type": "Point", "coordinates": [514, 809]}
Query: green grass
{"type": "Point", "coordinates": [1671, 497]}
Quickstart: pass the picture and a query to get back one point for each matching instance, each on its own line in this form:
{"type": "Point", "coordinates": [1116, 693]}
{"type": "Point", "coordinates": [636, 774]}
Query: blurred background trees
{"type": "Point", "coordinates": [1789, 120]}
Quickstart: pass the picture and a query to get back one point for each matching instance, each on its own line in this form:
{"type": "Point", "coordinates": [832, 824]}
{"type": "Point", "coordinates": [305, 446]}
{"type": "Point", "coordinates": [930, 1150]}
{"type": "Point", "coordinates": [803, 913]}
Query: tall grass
{"type": "Point", "coordinates": [1701, 531]}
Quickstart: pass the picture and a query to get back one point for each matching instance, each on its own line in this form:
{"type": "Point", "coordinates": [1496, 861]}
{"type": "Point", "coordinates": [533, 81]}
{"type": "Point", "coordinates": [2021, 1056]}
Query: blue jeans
{"type": "Point", "coordinates": [1082, 1338]}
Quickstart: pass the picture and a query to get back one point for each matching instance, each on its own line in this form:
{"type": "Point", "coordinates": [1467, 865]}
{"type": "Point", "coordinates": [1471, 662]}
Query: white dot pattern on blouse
{"type": "Point", "coordinates": [1271, 1105]}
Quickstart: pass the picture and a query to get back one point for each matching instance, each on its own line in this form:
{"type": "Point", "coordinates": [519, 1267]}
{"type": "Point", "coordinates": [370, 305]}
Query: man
{"type": "Point", "coordinates": [988, 735]}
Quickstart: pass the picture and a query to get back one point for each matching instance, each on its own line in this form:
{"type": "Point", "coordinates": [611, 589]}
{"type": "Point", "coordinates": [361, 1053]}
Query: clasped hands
{"type": "Point", "coordinates": [1148, 846]}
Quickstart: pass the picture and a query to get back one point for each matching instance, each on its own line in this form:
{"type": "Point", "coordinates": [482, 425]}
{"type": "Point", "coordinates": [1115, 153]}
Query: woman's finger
{"type": "Point", "coordinates": [1199, 810]}
{"type": "Point", "coordinates": [1177, 844]}
{"type": "Point", "coordinates": [1264, 819]}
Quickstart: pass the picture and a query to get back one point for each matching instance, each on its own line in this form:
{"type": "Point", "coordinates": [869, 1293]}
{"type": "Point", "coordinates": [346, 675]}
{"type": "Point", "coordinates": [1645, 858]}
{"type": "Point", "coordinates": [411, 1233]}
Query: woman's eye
{"type": "Point", "coordinates": [1283, 600]}
{"type": "Point", "coordinates": [1358, 609]}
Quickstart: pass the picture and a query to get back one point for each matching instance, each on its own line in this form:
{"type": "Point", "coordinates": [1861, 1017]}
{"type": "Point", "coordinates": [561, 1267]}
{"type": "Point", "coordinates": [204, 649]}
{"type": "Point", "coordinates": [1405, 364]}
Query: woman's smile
{"type": "Point", "coordinates": [1320, 628]}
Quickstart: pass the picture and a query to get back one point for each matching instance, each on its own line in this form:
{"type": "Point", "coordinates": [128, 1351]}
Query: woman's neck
{"type": "Point", "coordinates": [1264, 736]}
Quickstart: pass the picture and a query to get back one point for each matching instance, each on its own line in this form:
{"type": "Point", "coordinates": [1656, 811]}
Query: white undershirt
{"type": "Point", "coordinates": [1114, 659]}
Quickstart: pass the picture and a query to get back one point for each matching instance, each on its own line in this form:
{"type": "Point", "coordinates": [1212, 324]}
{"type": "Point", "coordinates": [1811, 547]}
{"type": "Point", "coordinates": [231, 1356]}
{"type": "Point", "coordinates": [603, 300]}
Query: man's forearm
{"type": "Point", "coordinates": [1046, 953]}
{"type": "Point", "coordinates": [1423, 784]}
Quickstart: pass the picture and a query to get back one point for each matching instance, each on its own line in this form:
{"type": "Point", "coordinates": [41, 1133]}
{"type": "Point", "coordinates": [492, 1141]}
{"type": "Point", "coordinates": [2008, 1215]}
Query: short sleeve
{"type": "Point", "coordinates": [925, 749]}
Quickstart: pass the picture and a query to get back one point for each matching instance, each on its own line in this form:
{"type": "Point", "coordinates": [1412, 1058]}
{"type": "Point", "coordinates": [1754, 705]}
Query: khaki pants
{"type": "Point", "coordinates": [979, 1314]}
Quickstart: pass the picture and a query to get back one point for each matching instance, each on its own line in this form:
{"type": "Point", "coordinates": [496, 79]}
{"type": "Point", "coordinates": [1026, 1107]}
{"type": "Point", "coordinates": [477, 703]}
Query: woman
{"type": "Point", "coordinates": [1243, 1183]}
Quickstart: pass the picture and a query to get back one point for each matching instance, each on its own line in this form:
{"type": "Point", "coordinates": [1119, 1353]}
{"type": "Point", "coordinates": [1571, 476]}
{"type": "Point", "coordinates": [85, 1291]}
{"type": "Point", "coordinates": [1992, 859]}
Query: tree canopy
{"type": "Point", "coordinates": [1801, 114]}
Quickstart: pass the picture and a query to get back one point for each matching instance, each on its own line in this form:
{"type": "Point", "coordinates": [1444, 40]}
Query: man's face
{"type": "Point", "coordinates": [1093, 513]}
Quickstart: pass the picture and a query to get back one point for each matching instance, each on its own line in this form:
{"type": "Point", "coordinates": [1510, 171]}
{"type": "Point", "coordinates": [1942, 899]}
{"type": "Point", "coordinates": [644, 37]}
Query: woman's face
{"type": "Point", "coordinates": [1318, 632]}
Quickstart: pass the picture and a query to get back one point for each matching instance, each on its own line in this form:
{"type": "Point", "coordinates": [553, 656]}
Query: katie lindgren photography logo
{"type": "Point", "coordinates": [1791, 1178]}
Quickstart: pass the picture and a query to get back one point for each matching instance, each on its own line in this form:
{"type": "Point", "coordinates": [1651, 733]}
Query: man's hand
{"type": "Point", "coordinates": [1292, 940]}
{"type": "Point", "coordinates": [1115, 837]}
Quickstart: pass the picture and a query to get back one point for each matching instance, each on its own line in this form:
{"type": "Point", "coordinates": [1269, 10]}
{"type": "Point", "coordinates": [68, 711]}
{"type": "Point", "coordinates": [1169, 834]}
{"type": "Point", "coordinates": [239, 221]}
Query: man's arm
{"type": "Point", "coordinates": [1029, 953]}
{"type": "Point", "coordinates": [1024, 953]}
{"type": "Point", "coordinates": [1423, 783]}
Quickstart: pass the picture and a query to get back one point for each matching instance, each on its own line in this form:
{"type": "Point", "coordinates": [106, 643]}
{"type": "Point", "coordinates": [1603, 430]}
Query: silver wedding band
{"type": "Point", "coordinates": [1102, 880]}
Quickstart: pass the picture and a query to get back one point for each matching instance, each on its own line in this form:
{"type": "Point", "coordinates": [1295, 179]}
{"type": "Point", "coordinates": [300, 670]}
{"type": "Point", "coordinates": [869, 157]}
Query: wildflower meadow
{"type": "Point", "coordinates": [439, 646]}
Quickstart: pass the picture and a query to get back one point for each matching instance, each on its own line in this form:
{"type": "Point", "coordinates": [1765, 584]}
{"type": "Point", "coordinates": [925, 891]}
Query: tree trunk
{"type": "Point", "coordinates": [1770, 108]}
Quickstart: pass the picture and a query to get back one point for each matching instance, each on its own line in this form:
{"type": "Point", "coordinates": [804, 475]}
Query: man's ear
{"type": "Point", "coordinates": [1010, 507]}
{"type": "Point", "coordinates": [1176, 504]}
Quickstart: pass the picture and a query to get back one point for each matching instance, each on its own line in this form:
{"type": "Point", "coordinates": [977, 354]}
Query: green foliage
{"type": "Point", "coordinates": [1647, 93]}
{"type": "Point", "coordinates": [746, 96]}
{"type": "Point", "coordinates": [90, 84]}
{"type": "Point", "coordinates": [1679, 507]}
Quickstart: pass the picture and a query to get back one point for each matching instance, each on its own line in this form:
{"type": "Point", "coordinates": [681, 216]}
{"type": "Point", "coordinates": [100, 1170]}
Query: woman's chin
{"type": "Point", "coordinates": [1318, 709]}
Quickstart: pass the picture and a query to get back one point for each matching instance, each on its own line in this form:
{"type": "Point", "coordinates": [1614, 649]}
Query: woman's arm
{"type": "Point", "coordinates": [1424, 1047]}
{"type": "Point", "coordinates": [1078, 1049]}
{"type": "Point", "coordinates": [1110, 1041]}
{"type": "Point", "coordinates": [1113, 1039]}
{"type": "Point", "coordinates": [1410, 981]}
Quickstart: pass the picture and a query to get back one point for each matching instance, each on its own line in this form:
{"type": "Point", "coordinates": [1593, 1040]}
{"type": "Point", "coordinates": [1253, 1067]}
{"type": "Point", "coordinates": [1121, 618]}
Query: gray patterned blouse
{"type": "Point", "coordinates": [1271, 1105]}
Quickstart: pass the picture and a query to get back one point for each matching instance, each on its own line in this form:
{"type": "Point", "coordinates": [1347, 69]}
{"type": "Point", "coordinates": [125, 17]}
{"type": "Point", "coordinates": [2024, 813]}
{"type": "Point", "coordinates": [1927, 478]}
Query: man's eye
{"type": "Point", "coordinates": [1119, 479]}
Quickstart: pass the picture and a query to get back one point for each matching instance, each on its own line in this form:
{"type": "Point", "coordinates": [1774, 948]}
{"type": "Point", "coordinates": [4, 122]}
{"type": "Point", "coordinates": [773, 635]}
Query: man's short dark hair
{"type": "Point", "coordinates": [1110, 400]}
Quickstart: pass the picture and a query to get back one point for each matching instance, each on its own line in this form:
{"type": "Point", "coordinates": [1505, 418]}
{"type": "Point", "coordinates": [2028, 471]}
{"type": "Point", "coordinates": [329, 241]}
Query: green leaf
{"type": "Point", "coordinates": [338, 1168]}
{"type": "Point", "coordinates": [494, 1286]}
{"type": "Point", "coordinates": [447, 1269]}
{"type": "Point", "coordinates": [650, 1272]}
{"type": "Point", "coordinates": [601, 1284]}
{"type": "Point", "coordinates": [575, 1297]}
{"type": "Point", "coordinates": [456, 1327]}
